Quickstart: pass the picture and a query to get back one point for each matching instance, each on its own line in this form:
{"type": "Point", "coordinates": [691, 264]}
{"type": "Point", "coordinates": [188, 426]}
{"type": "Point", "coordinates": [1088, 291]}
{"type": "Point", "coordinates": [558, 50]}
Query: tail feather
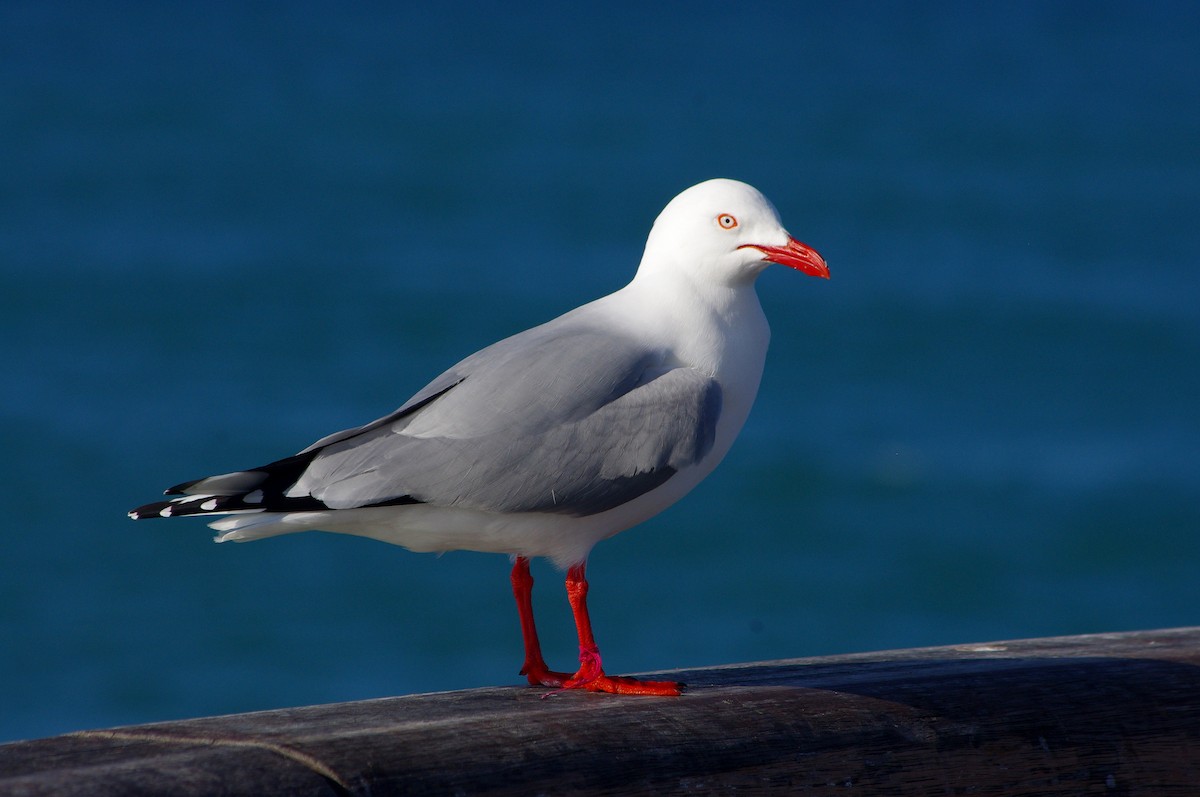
{"type": "Point", "coordinates": [259, 490]}
{"type": "Point", "coordinates": [207, 504]}
{"type": "Point", "coordinates": [262, 489]}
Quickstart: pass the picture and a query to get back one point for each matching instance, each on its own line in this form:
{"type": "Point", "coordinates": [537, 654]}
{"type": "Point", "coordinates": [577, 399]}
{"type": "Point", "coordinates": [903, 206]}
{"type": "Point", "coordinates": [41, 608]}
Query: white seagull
{"type": "Point", "coordinates": [558, 437]}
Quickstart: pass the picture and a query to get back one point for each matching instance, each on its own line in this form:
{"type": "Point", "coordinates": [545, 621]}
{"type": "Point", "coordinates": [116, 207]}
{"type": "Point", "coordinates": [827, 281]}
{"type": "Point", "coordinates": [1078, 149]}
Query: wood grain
{"type": "Point", "coordinates": [1110, 714]}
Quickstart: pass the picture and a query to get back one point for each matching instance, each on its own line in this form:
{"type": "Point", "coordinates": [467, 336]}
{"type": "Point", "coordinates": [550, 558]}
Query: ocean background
{"type": "Point", "coordinates": [228, 229]}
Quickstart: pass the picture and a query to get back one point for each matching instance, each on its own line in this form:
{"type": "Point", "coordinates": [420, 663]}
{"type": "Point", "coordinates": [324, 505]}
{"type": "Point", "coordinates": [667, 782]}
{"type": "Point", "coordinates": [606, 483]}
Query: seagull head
{"type": "Point", "coordinates": [725, 232]}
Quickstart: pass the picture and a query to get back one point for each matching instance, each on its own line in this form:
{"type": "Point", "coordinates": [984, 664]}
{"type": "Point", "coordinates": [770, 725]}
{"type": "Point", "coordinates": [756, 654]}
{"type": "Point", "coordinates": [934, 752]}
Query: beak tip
{"type": "Point", "coordinates": [799, 256]}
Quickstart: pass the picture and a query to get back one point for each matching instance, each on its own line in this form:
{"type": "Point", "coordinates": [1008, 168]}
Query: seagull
{"type": "Point", "coordinates": [549, 441]}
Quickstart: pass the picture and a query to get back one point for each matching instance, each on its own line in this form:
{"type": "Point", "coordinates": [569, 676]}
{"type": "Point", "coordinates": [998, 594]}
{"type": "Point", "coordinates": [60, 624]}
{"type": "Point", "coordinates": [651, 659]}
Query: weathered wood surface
{"type": "Point", "coordinates": [1112, 714]}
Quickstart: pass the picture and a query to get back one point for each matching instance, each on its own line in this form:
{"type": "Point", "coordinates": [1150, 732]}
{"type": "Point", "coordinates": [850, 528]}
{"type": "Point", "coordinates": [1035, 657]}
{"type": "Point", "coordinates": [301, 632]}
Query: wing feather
{"type": "Point", "coordinates": [576, 422]}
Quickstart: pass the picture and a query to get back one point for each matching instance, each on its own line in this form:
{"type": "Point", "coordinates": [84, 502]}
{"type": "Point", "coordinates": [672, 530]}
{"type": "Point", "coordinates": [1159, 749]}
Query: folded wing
{"type": "Point", "coordinates": [574, 424]}
{"type": "Point", "coordinates": [571, 421]}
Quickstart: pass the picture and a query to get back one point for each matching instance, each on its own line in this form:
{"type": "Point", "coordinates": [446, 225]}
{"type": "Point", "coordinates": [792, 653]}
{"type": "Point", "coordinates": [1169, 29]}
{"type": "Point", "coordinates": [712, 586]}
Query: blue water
{"type": "Point", "coordinates": [227, 230]}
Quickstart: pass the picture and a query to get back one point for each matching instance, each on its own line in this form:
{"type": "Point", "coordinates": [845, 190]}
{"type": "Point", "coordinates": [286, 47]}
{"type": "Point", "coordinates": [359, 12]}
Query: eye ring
{"type": "Point", "coordinates": [727, 221]}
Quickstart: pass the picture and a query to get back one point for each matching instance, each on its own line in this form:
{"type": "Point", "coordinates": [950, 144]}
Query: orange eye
{"type": "Point", "coordinates": [726, 221]}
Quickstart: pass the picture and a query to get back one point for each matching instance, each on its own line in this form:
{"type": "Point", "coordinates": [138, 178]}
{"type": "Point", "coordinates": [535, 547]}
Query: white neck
{"type": "Point", "coordinates": [706, 325]}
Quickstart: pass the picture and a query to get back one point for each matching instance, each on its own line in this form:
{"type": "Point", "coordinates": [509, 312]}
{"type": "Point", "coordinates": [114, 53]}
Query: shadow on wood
{"type": "Point", "coordinates": [1111, 714]}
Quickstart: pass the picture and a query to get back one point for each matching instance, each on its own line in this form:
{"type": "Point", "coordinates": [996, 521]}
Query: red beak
{"type": "Point", "coordinates": [794, 255]}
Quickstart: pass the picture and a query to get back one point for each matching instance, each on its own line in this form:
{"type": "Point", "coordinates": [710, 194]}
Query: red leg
{"type": "Point", "coordinates": [535, 666]}
{"type": "Point", "coordinates": [591, 674]}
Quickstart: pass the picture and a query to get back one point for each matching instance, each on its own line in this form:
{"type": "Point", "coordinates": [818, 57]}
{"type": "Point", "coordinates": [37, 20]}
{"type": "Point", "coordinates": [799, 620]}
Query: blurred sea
{"type": "Point", "coordinates": [227, 229]}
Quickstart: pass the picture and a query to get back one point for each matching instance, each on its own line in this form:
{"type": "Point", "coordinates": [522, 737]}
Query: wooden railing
{"type": "Point", "coordinates": [1100, 714]}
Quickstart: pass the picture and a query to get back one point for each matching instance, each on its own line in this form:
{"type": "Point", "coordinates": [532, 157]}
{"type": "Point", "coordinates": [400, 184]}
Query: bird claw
{"type": "Point", "coordinates": [541, 675]}
{"type": "Point", "coordinates": [624, 685]}
{"type": "Point", "coordinates": [591, 677]}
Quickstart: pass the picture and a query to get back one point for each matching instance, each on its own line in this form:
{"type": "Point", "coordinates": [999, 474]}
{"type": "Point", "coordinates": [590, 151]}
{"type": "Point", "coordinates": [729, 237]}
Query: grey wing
{"type": "Point", "coordinates": [426, 395]}
{"type": "Point", "coordinates": [572, 423]}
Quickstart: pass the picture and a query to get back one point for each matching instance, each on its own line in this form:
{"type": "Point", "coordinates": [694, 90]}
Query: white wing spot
{"type": "Point", "coordinates": [209, 505]}
{"type": "Point", "coordinates": [255, 497]}
{"type": "Point", "coordinates": [165, 511]}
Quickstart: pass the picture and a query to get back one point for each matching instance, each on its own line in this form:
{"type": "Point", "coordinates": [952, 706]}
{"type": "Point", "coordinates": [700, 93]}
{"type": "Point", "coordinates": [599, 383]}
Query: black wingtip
{"type": "Point", "coordinates": [148, 511]}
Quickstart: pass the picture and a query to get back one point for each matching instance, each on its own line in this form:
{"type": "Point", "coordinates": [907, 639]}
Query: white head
{"type": "Point", "coordinates": [724, 232]}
